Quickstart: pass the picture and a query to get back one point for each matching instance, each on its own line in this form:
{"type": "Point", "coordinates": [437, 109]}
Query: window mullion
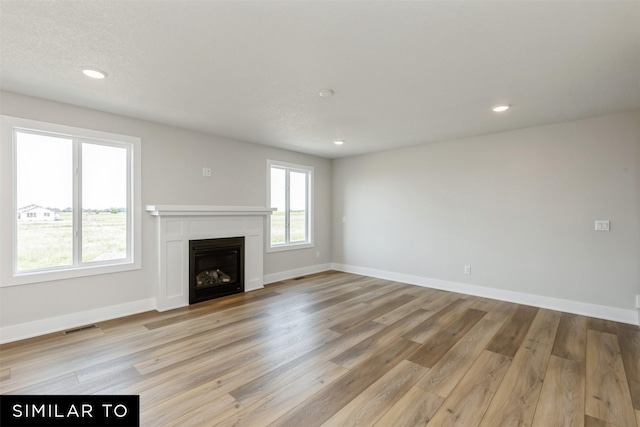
{"type": "Point", "coordinates": [307, 203]}
{"type": "Point", "coordinates": [129, 205]}
{"type": "Point", "coordinates": [77, 202]}
{"type": "Point", "coordinates": [287, 209]}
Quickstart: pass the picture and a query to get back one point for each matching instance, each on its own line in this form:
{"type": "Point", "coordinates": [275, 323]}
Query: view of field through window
{"type": "Point", "coordinates": [297, 203]}
{"type": "Point", "coordinates": [45, 170]}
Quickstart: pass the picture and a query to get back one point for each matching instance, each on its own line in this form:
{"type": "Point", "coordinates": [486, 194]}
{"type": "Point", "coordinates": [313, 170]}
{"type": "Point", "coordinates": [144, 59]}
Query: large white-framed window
{"type": "Point", "coordinates": [76, 207]}
{"type": "Point", "coordinates": [290, 191]}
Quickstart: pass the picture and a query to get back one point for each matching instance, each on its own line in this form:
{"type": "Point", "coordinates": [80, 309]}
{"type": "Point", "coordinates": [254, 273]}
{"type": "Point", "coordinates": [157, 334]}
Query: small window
{"type": "Point", "coordinates": [80, 192]}
{"type": "Point", "coordinates": [290, 192]}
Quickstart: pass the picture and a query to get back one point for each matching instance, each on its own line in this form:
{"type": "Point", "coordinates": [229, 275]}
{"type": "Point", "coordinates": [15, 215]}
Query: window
{"type": "Point", "coordinates": [90, 181]}
{"type": "Point", "coordinates": [290, 192]}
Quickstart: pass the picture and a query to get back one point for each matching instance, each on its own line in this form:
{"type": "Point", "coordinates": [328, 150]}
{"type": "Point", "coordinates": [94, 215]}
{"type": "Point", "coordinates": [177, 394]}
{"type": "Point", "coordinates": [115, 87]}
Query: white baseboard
{"type": "Point", "coordinates": [69, 321]}
{"type": "Point", "coordinates": [290, 274]}
{"type": "Point", "coordinates": [575, 307]}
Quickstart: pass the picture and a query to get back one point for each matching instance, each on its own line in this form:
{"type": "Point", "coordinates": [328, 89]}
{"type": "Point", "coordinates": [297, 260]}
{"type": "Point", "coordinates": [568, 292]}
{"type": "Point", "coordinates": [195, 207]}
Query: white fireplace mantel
{"type": "Point", "coordinates": [187, 210]}
{"type": "Point", "coordinates": [176, 225]}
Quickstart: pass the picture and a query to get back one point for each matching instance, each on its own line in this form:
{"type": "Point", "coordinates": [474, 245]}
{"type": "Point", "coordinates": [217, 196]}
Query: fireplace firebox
{"type": "Point", "coordinates": [216, 268]}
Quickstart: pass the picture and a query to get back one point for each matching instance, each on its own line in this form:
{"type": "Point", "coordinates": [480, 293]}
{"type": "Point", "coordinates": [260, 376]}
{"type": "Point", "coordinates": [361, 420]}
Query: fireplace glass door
{"type": "Point", "coordinates": [216, 268]}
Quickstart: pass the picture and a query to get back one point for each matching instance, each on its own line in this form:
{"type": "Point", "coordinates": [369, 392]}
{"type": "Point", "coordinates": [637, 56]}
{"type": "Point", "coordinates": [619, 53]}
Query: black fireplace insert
{"type": "Point", "coordinates": [216, 268]}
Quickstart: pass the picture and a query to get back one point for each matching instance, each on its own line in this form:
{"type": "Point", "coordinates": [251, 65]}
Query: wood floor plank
{"type": "Point", "coordinates": [288, 395]}
{"type": "Point", "coordinates": [484, 304]}
{"type": "Point", "coordinates": [5, 374]}
{"type": "Point", "coordinates": [629, 342]}
{"type": "Point", "coordinates": [263, 384]}
{"type": "Point", "coordinates": [439, 344]}
{"type": "Point", "coordinates": [594, 422]}
{"type": "Point", "coordinates": [229, 371]}
{"type": "Point", "coordinates": [430, 327]}
{"type": "Point", "coordinates": [362, 351]}
{"type": "Point", "coordinates": [469, 400]}
{"type": "Point", "coordinates": [515, 401]}
{"type": "Point", "coordinates": [508, 340]}
{"type": "Point", "coordinates": [199, 404]}
{"type": "Point", "coordinates": [561, 402]}
{"type": "Point", "coordinates": [366, 408]}
{"type": "Point", "coordinates": [400, 312]}
{"type": "Point", "coordinates": [96, 385]}
{"type": "Point", "coordinates": [208, 414]}
{"type": "Point", "coordinates": [321, 305]}
{"type": "Point", "coordinates": [571, 339]}
{"type": "Point", "coordinates": [443, 377]}
{"type": "Point", "coordinates": [321, 406]}
{"type": "Point", "coordinates": [192, 312]}
{"type": "Point", "coordinates": [607, 393]}
{"type": "Point", "coordinates": [49, 386]}
{"type": "Point", "coordinates": [601, 325]}
{"type": "Point", "coordinates": [376, 311]}
{"type": "Point", "coordinates": [414, 409]}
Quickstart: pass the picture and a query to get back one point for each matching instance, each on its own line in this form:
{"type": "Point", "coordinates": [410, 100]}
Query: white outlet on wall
{"type": "Point", "coordinates": [206, 172]}
{"type": "Point", "coordinates": [602, 225]}
{"type": "Point", "coordinates": [467, 269]}
{"type": "Point", "coordinates": [318, 254]}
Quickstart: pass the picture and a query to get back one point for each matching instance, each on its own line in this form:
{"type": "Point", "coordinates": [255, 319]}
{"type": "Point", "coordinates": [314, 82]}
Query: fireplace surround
{"type": "Point", "coordinates": [177, 225]}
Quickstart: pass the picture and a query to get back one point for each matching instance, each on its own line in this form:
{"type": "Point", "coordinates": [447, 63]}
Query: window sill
{"type": "Point", "coordinates": [290, 247]}
{"type": "Point", "coordinates": [26, 278]}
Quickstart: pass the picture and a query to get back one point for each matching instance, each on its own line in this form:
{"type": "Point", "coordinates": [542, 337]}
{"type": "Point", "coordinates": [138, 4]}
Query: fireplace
{"type": "Point", "coordinates": [216, 268]}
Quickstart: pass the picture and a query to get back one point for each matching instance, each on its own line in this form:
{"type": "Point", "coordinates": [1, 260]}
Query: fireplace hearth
{"type": "Point", "coordinates": [216, 268]}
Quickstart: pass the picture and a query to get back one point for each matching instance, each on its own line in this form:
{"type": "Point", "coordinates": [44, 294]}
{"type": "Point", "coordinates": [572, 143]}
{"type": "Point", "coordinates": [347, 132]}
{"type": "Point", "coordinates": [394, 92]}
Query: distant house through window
{"type": "Point", "coordinates": [290, 188]}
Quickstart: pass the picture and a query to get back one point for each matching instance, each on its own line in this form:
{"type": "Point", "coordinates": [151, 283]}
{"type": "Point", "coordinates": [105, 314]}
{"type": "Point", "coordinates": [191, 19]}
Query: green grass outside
{"type": "Point", "coordinates": [297, 227]}
{"type": "Point", "coordinates": [44, 244]}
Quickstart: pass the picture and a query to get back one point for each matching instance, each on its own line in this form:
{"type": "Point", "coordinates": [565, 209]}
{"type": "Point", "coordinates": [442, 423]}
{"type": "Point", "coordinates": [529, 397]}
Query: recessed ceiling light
{"type": "Point", "coordinates": [338, 142]}
{"type": "Point", "coordinates": [325, 93]}
{"type": "Point", "coordinates": [94, 73]}
{"type": "Point", "coordinates": [501, 108]}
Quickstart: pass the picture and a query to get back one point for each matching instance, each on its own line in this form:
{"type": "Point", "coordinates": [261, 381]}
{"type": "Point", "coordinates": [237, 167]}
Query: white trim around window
{"type": "Point", "coordinates": [290, 192]}
{"type": "Point", "coordinates": [131, 147]}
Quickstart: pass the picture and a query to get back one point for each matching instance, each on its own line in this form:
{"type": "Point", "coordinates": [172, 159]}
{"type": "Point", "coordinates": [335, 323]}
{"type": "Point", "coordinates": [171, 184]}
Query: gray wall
{"type": "Point", "coordinates": [172, 162]}
{"type": "Point", "coordinates": [519, 207]}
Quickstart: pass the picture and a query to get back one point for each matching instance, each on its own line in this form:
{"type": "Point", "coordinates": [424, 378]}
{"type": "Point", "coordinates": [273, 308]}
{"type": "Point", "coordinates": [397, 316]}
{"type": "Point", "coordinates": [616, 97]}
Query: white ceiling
{"type": "Point", "coordinates": [403, 73]}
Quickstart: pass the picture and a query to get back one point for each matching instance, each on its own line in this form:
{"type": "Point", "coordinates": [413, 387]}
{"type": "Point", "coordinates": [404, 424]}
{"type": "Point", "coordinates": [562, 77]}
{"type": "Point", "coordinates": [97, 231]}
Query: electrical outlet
{"type": "Point", "coordinates": [467, 269]}
{"type": "Point", "coordinates": [318, 254]}
{"type": "Point", "coordinates": [602, 225]}
{"type": "Point", "coordinates": [206, 172]}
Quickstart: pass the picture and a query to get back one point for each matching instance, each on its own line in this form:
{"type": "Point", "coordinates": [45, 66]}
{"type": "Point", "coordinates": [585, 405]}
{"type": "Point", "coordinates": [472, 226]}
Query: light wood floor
{"type": "Point", "coordinates": [337, 349]}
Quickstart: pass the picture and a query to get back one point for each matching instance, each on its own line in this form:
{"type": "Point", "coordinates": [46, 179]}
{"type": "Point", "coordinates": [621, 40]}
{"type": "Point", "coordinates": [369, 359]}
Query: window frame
{"type": "Point", "coordinates": [9, 272]}
{"type": "Point", "coordinates": [309, 242]}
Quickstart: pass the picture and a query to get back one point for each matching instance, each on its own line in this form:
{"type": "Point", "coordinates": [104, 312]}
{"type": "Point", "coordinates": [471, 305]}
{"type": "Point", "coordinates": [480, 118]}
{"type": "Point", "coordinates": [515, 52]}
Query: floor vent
{"type": "Point", "coordinates": [299, 278]}
{"type": "Point", "coordinates": [81, 328]}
